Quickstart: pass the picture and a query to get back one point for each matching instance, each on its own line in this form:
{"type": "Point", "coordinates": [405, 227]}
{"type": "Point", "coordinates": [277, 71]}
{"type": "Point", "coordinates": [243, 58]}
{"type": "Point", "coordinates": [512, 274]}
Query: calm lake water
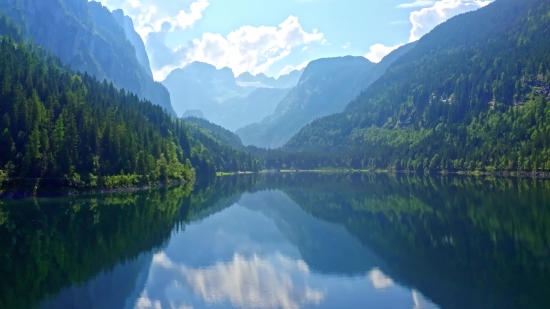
{"type": "Point", "coordinates": [284, 241]}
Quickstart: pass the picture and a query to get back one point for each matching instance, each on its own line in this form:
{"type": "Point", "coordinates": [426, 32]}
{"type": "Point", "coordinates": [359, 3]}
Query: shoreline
{"type": "Point", "coordinates": [514, 174]}
{"type": "Point", "coordinates": [23, 193]}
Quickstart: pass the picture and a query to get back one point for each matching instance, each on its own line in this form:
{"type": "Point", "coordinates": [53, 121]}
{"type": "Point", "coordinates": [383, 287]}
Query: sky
{"type": "Point", "coordinates": [277, 36]}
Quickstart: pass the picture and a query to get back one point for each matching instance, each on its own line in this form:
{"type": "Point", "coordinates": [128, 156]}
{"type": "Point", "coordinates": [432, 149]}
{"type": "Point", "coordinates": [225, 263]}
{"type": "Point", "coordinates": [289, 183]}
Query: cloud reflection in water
{"type": "Point", "coordinates": [256, 282]}
{"type": "Point", "coordinates": [379, 279]}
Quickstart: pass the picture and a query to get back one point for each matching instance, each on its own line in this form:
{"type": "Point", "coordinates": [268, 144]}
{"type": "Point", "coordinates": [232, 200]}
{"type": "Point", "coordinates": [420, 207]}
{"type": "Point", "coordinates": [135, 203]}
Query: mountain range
{"type": "Point", "coordinates": [471, 95]}
{"type": "Point", "coordinates": [289, 80]}
{"type": "Point", "coordinates": [326, 87]}
{"type": "Point", "coordinates": [223, 99]}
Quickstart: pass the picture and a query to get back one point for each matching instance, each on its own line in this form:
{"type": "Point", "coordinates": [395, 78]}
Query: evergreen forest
{"type": "Point", "coordinates": [66, 129]}
{"type": "Point", "coordinates": [471, 95]}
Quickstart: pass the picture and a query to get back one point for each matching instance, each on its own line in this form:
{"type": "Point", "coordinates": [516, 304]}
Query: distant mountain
{"type": "Point", "coordinates": [261, 80]}
{"type": "Point", "coordinates": [197, 113]}
{"type": "Point", "coordinates": [229, 102]}
{"type": "Point", "coordinates": [128, 25]}
{"type": "Point", "coordinates": [471, 95]}
{"type": "Point", "coordinates": [88, 37]}
{"type": "Point", "coordinates": [239, 111]}
{"type": "Point", "coordinates": [201, 86]}
{"type": "Point", "coordinates": [325, 87]}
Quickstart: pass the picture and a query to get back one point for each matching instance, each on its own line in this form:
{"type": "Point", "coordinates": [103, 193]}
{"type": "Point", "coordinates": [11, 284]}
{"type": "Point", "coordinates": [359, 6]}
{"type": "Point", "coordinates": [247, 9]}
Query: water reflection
{"type": "Point", "coordinates": [256, 282]}
{"type": "Point", "coordinates": [258, 253]}
{"type": "Point", "coordinates": [284, 241]}
{"type": "Point", "coordinates": [379, 279]}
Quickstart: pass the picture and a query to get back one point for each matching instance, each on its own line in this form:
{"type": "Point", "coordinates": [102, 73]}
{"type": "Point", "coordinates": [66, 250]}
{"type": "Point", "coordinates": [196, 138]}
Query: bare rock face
{"type": "Point", "coordinates": [88, 37]}
{"type": "Point", "coordinates": [128, 25]}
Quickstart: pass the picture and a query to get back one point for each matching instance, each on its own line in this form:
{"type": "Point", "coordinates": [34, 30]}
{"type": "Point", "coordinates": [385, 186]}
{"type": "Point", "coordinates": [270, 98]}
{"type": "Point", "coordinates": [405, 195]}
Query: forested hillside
{"type": "Point", "coordinates": [215, 132]}
{"type": "Point", "coordinates": [224, 158]}
{"type": "Point", "coordinates": [86, 36]}
{"type": "Point", "coordinates": [326, 87]}
{"type": "Point", "coordinates": [61, 128]}
{"type": "Point", "coordinates": [472, 94]}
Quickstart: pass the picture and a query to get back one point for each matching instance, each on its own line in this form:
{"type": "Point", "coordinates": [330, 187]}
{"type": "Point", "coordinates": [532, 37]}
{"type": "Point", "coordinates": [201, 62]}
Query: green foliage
{"type": "Point", "coordinates": [470, 95]}
{"type": "Point", "coordinates": [215, 132]}
{"type": "Point", "coordinates": [3, 178]}
{"type": "Point", "coordinates": [230, 155]}
{"type": "Point", "coordinates": [69, 128]}
{"type": "Point", "coordinates": [50, 245]}
{"type": "Point", "coordinates": [325, 87]}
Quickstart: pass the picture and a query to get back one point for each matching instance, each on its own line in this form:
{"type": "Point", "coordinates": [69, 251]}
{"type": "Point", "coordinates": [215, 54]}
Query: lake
{"type": "Point", "coordinates": [284, 241]}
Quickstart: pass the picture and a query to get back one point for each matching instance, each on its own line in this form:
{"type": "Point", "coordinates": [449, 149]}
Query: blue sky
{"type": "Point", "coordinates": [276, 36]}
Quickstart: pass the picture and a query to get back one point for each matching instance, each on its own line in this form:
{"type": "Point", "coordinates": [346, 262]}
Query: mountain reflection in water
{"type": "Point", "coordinates": [285, 241]}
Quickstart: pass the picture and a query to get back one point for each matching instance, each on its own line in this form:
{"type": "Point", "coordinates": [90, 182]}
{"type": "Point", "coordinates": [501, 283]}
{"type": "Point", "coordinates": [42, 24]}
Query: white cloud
{"type": "Point", "coordinates": [378, 51]}
{"type": "Point", "coordinates": [347, 45]}
{"type": "Point", "coordinates": [151, 16]}
{"type": "Point", "coordinates": [273, 281]}
{"type": "Point", "coordinates": [144, 302]}
{"type": "Point", "coordinates": [153, 20]}
{"type": "Point", "coordinates": [252, 49]}
{"type": "Point", "coordinates": [416, 4]}
{"type": "Point", "coordinates": [289, 68]}
{"type": "Point", "coordinates": [379, 280]}
{"type": "Point", "coordinates": [248, 48]}
{"type": "Point", "coordinates": [426, 19]}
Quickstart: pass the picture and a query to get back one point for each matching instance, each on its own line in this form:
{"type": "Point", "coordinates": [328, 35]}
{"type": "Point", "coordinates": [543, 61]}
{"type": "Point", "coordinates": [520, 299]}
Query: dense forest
{"type": "Point", "coordinates": [63, 128]}
{"type": "Point", "coordinates": [477, 100]}
{"type": "Point", "coordinates": [471, 95]}
{"type": "Point", "coordinates": [215, 132]}
{"type": "Point", "coordinates": [230, 155]}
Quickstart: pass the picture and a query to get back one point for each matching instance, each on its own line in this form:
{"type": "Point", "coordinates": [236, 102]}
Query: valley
{"type": "Point", "coordinates": [274, 154]}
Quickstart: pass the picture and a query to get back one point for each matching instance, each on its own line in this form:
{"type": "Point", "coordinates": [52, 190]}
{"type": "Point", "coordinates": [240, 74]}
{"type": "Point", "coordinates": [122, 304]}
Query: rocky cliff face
{"type": "Point", "coordinates": [201, 86]}
{"type": "Point", "coordinates": [128, 25]}
{"type": "Point", "coordinates": [87, 36]}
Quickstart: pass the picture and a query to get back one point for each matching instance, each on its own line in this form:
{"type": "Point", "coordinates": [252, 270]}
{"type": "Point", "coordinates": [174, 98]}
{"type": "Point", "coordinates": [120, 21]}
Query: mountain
{"type": "Point", "coordinates": [75, 131]}
{"type": "Point", "coordinates": [128, 25]}
{"type": "Point", "coordinates": [201, 86]}
{"type": "Point", "coordinates": [471, 95]}
{"type": "Point", "coordinates": [197, 113]}
{"type": "Point", "coordinates": [325, 87]}
{"type": "Point", "coordinates": [237, 112]}
{"type": "Point", "coordinates": [215, 132]}
{"type": "Point", "coordinates": [87, 36]}
{"type": "Point", "coordinates": [261, 80]}
{"type": "Point", "coordinates": [223, 99]}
